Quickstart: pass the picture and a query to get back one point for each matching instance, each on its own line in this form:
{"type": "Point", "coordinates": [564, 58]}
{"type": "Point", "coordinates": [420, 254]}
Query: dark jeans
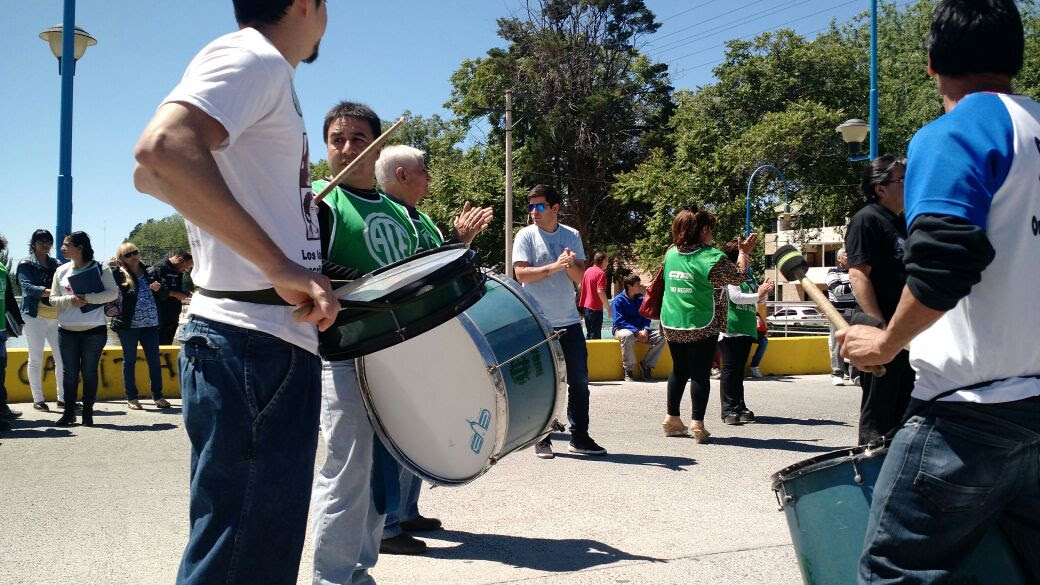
{"type": "Point", "coordinates": [3, 371]}
{"type": "Point", "coordinates": [251, 405]}
{"type": "Point", "coordinates": [166, 333]}
{"type": "Point", "coordinates": [593, 323]}
{"type": "Point", "coordinates": [148, 337]}
{"type": "Point", "coordinates": [692, 362]}
{"type": "Point", "coordinates": [885, 399]}
{"type": "Point", "coordinates": [577, 357]}
{"type": "Point", "coordinates": [951, 473]}
{"type": "Point", "coordinates": [763, 343]}
{"type": "Point", "coordinates": [735, 351]}
{"type": "Point", "coordinates": [81, 355]}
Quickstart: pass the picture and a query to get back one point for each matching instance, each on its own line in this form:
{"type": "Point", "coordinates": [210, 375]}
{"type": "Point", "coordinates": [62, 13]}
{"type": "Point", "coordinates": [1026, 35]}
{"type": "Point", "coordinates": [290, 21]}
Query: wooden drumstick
{"type": "Point", "coordinates": [354, 163]}
{"type": "Point", "coordinates": [792, 265]}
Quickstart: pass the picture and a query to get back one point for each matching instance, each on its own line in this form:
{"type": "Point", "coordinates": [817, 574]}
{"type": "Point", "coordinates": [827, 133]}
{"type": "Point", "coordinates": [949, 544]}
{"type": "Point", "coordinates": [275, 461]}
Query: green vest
{"type": "Point", "coordinates": [742, 318]}
{"type": "Point", "coordinates": [367, 234]}
{"type": "Point", "coordinates": [689, 299]}
{"type": "Point", "coordinates": [429, 236]}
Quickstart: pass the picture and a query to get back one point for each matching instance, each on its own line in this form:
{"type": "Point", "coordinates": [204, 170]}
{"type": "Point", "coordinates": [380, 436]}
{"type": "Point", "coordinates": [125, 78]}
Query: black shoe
{"type": "Point", "coordinates": [67, 419]}
{"type": "Point", "coordinates": [585, 446]}
{"type": "Point", "coordinates": [41, 406]}
{"type": "Point", "coordinates": [61, 405]}
{"type": "Point", "coordinates": [747, 416]}
{"type": "Point", "coordinates": [646, 371]}
{"type": "Point", "coordinates": [88, 416]}
{"type": "Point", "coordinates": [79, 406]}
{"type": "Point", "coordinates": [731, 419]}
{"type": "Point", "coordinates": [8, 414]}
{"type": "Point", "coordinates": [630, 376]}
{"type": "Point", "coordinates": [402, 544]}
{"type": "Point", "coordinates": [420, 524]}
{"type": "Point", "coordinates": [543, 449]}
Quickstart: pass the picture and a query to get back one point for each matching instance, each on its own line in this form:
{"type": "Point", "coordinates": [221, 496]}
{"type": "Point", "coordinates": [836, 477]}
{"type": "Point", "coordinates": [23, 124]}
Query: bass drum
{"type": "Point", "coordinates": [450, 403]}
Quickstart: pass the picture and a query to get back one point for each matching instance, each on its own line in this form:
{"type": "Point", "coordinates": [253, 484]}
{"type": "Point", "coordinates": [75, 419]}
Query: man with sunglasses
{"type": "Point", "coordinates": [548, 260]}
{"type": "Point", "coordinates": [171, 295]}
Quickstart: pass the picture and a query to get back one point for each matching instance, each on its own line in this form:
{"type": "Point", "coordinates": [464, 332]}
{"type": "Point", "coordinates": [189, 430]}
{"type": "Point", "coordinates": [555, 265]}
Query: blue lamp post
{"type": "Point", "coordinates": [853, 132]}
{"type": "Point", "coordinates": [68, 49]}
{"type": "Point", "coordinates": [750, 182]}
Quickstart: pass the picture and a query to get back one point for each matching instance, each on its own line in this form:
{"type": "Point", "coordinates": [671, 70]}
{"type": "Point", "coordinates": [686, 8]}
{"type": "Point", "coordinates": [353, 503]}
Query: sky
{"type": "Point", "coordinates": [395, 55]}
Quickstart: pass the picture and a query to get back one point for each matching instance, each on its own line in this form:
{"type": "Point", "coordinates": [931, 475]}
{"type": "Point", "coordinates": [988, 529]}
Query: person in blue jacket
{"type": "Point", "coordinates": [630, 327]}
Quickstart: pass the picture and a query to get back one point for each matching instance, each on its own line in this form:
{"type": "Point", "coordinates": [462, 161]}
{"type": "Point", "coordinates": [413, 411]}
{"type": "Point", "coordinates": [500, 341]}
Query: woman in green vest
{"type": "Point", "coordinates": [694, 311]}
{"type": "Point", "coordinates": [735, 342]}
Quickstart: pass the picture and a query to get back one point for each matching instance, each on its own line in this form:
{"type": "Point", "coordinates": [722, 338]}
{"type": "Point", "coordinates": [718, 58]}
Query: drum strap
{"type": "Point", "coordinates": [260, 297]}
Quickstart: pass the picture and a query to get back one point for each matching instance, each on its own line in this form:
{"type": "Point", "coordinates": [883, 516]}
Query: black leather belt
{"type": "Point", "coordinates": [267, 296]}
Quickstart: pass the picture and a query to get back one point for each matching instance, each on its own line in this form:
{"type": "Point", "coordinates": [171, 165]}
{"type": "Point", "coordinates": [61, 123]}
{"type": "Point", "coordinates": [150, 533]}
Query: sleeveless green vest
{"type": "Point", "coordinates": [367, 234]}
{"type": "Point", "coordinates": [742, 318]}
{"type": "Point", "coordinates": [689, 299]}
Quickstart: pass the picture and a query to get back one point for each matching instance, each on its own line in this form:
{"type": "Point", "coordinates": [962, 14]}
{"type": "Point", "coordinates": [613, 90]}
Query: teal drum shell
{"type": "Point", "coordinates": [530, 366]}
{"type": "Point", "coordinates": [826, 500]}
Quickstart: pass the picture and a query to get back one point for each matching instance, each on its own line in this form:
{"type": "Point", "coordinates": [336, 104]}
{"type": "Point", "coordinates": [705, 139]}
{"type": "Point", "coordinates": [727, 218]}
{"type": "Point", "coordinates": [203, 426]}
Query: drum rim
{"type": "Point", "coordinates": [826, 461]}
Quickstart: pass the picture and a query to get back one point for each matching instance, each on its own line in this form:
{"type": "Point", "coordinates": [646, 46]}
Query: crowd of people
{"type": "Point", "coordinates": [933, 264]}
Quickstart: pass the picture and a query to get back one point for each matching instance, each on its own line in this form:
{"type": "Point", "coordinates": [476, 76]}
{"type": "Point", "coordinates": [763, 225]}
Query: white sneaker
{"type": "Point", "coordinates": [755, 372]}
{"type": "Point", "coordinates": [716, 373]}
{"type": "Point", "coordinates": [837, 381]}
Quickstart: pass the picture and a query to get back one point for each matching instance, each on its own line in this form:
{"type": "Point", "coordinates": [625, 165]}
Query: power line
{"type": "Point", "coordinates": [730, 25]}
{"type": "Point", "coordinates": [652, 41]}
{"type": "Point", "coordinates": [687, 10]}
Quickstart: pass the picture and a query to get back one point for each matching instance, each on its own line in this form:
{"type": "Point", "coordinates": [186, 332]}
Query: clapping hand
{"type": "Point", "coordinates": [566, 259]}
{"type": "Point", "coordinates": [471, 221]}
{"type": "Point", "coordinates": [747, 245]}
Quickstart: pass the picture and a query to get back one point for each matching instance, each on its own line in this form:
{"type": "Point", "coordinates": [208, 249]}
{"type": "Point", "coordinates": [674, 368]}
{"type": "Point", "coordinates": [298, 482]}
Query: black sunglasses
{"type": "Point", "coordinates": [539, 206]}
{"type": "Point", "coordinates": [131, 254]}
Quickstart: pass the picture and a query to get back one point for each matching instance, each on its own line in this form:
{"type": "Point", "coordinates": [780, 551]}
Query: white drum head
{"type": "Point", "coordinates": [370, 288]}
{"type": "Point", "coordinates": [435, 402]}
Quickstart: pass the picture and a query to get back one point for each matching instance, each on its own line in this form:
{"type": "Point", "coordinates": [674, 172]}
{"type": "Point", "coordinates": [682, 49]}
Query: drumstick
{"type": "Point", "coordinates": [354, 163]}
{"type": "Point", "coordinates": [792, 265]}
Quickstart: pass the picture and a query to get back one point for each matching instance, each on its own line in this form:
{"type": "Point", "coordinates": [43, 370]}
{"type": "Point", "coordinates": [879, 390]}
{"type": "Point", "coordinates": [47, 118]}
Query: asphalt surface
{"type": "Point", "coordinates": [109, 504]}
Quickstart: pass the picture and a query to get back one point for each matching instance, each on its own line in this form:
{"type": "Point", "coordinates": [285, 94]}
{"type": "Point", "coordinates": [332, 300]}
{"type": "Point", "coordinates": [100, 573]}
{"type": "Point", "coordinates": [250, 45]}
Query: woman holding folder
{"type": "Point", "coordinates": [80, 289]}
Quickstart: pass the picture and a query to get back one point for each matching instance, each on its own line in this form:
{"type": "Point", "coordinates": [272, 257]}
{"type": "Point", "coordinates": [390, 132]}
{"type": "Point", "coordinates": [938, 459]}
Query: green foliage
{"type": "Point", "coordinates": [157, 239]}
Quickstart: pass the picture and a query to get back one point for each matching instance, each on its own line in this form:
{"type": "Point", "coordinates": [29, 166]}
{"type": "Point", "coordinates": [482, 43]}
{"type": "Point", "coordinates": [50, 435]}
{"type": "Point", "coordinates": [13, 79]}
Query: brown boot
{"type": "Point", "coordinates": [700, 434]}
{"type": "Point", "coordinates": [674, 427]}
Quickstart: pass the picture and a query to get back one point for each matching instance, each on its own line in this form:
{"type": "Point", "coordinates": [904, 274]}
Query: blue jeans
{"type": "Point", "coordinates": [593, 323]}
{"type": "Point", "coordinates": [950, 474]}
{"type": "Point", "coordinates": [577, 357]}
{"type": "Point", "coordinates": [251, 414]}
{"type": "Point", "coordinates": [149, 340]}
{"type": "Point", "coordinates": [408, 508]}
{"type": "Point", "coordinates": [81, 354]}
{"type": "Point", "coordinates": [763, 343]}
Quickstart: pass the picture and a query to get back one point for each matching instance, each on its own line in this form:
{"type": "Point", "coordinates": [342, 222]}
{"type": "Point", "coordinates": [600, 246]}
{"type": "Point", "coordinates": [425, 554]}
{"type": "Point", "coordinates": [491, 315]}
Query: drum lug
{"type": "Point", "coordinates": [858, 477]}
{"type": "Point", "coordinates": [780, 505]}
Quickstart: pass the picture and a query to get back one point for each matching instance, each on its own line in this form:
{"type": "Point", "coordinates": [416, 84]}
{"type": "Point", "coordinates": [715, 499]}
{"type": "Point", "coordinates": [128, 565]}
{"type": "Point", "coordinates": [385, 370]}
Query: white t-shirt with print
{"type": "Point", "coordinates": [243, 82]}
{"type": "Point", "coordinates": [554, 294]}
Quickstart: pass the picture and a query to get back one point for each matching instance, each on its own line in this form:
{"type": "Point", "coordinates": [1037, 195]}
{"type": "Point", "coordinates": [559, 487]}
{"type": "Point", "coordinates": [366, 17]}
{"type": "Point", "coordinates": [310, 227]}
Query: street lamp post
{"type": "Point", "coordinates": [750, 182]}
{"type": "Point", "coordinates": [853, 132]}
{"type": "Point", "coordinates": [68, 49]}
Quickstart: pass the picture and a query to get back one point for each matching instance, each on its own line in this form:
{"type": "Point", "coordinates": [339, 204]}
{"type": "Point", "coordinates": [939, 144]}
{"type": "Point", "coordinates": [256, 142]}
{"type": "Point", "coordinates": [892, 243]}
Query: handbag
{"type": "Point", "coordinates": [651, 306]}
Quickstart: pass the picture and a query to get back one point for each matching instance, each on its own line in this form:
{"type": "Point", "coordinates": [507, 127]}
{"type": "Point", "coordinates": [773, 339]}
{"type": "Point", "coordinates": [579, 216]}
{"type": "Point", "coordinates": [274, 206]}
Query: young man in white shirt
{"type": "Point", "coordinates": [228, 149]}
{"type": "Point", "coordinates": [548, 260]}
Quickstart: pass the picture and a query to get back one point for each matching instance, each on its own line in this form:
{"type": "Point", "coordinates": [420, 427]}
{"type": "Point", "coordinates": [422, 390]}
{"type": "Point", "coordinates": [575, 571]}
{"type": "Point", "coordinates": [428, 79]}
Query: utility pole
{"type": "Point", "coordinates": [509, 184]}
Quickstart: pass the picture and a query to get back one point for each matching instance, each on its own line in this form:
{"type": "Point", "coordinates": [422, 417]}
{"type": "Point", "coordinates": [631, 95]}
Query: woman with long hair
{"type": "Point", "coordinates": [694, 311]}
{"type": "Point", "coordinates": [81, 322]}
{"type": "Point", "coordinates": [35, 273]}
{"type": "Point", "coordinates": [137, 322]}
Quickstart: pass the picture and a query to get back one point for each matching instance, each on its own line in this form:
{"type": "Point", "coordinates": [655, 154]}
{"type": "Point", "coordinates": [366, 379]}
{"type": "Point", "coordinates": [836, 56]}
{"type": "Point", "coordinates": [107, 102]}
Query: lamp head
{"type": "Point", "coordinates": [53, 36]}
{"type": "Point", "coordinates": [790, 262]}
{"type": "Point", "coordinates": [854, 132]}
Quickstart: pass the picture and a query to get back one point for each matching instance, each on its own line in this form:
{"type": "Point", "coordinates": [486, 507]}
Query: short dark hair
{"type": "Point", "coordinates": [599, 256]}
{"type": "Point", "coordinates": [552, 196]}
{"type": "Point", "coordinates": [186, 256]}
{"type": "Point", "coordinates": [40, 235]}
{"type": "Point", "coordinates": [3, 243]}
{"type": "Point", "coordinates": [879, 172]}
{"type": "Point", "coordinates": [687, 226]}
{"type": "Point", "coordinates": [631, 280]}
{"type": "Point", "coordinates": [976, 36]}
{"type": "Point", "coordinates": [352, 110]}
{"type": "Point", "coordinates": [732, 249]}
{"type": "Point", "coordinates": [82, 240]}
{"type": "Point", "coordinates": [261, 12]}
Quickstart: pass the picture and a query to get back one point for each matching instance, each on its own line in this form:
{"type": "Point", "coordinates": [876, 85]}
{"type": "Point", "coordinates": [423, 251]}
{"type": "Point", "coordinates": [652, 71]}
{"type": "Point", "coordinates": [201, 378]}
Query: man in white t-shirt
{"type": "Point", "coordinates": [228, 149]}
{"type": "Point", "coordinates": [548, 260]}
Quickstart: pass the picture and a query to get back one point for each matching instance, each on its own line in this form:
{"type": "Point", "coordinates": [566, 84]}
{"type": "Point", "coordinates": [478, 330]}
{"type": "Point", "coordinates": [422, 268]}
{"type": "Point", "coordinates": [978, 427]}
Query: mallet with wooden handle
{"type": "Point", "coordinates": [792, 265]}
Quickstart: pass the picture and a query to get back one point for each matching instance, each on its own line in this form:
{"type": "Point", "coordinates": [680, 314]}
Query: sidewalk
{"type": "Point", "coordinates": [109, 504]}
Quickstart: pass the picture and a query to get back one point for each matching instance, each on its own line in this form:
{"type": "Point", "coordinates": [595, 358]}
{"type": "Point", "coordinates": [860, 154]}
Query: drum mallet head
{"type": "Point", "coordinates": [790, 262]}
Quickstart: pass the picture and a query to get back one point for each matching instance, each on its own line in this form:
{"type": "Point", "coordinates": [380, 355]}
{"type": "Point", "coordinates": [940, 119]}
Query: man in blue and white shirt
{"type": "Point", "coordinates": [968, 458]}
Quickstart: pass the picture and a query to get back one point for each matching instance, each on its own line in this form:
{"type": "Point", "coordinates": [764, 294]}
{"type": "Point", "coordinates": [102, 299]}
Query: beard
{"type": "Point", "coordinates": [314, 55]}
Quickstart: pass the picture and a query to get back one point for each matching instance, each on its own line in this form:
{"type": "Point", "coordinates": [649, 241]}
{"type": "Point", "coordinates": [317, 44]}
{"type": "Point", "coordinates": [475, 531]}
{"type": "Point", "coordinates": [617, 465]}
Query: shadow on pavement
{"type": "Point", "coordinates": [779, 444]}
{"type": "Point", "coordinates": [668, 462]}
{"type": "Point", "coordinates": [34, 429]}
{"type": "Point", "coordinates": [151, 427]}
{"type": "Point", "coordinates": [809, 422]}
{"type": "Point", "coordinates": [542, 554]}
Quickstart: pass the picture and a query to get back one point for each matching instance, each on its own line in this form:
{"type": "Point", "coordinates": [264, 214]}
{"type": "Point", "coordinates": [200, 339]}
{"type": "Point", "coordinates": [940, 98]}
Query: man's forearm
{"type": "Point", "coordinates": [525, 274]}
{"type": "Point", "coordinates": [863, 290]}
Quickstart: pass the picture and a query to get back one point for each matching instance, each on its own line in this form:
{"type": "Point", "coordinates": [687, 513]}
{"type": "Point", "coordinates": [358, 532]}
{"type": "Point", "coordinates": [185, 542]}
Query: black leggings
{"type": "Point", "coordinates": [691, 361]}
{"type": "Point", "coordinates": [735, 351]}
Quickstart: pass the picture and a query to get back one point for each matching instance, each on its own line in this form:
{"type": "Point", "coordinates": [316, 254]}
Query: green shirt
{"type": "Point", "coordinates": [689, 298]}
{"type": "Point", "coordinates": [429, 236]}
{"type": "Point", "coordinates": [367, 233]}
{"type": "Point", "coordinates": [742, 318]}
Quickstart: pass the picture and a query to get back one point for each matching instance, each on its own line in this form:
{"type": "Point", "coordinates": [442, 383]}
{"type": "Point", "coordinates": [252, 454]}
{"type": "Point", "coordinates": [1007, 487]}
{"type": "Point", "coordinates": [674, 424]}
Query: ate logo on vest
{"type": "Point", "coordinates": [386, 239]}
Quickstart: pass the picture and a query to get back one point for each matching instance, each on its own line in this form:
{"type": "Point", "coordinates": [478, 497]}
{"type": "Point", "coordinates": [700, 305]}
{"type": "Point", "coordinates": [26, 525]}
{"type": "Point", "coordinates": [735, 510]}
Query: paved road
{"type": "Point", "coordinates": [108, 504]}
